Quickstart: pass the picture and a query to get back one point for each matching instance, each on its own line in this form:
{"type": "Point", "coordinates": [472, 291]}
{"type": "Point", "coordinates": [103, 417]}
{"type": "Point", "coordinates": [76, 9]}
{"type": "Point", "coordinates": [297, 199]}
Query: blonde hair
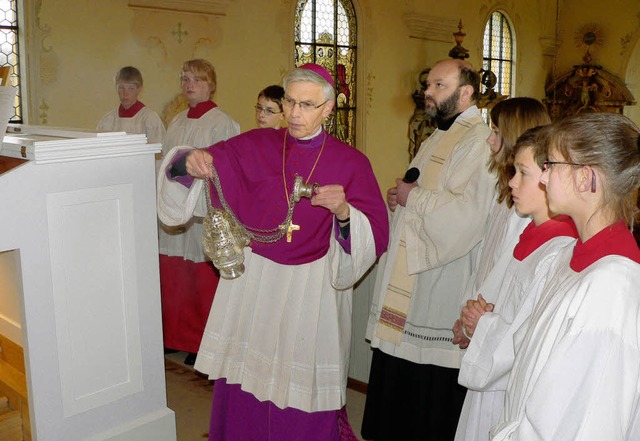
{"type": "Point", "coordinates": [202, 69]}
{"type": "Point", "coordinates": [512, 117]}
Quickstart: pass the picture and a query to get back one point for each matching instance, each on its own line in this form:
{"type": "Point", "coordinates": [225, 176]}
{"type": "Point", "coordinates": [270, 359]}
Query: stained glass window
{"type": "Point", "coordinates": [9, 53]}
{"type": "Point", "coordinates": [326, 34]}
{"type": "Point", "coordinates": [498, 51]}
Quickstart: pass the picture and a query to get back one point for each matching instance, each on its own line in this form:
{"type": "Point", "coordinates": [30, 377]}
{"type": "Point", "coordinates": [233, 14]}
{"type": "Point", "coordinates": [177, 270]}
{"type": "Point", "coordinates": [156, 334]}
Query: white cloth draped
{"type": "Point", "coordinates": [177, 203]}
{"type": "Point", "coordinates": [212, 127]}
{"type": "Point", "coordinates": [576, 375]}
{"type": "Point", "coordinates": [283, 338]}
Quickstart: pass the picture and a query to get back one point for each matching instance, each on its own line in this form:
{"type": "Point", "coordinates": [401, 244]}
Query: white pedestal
{"type": "Point", "coordinates": [80, 217]}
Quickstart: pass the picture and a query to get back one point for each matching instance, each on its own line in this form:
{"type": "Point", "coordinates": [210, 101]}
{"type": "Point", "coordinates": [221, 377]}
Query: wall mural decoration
{"type": "Point", "coordinates": [44, 111]}
{"type": "Point", "coordinates": [176, 31]}
{"type": "Point", "coordinates": [179, 33]}
{"type": "Point", "coordinates": [587, 87]}
{"type": "Point", "coordinates": [47, 68]}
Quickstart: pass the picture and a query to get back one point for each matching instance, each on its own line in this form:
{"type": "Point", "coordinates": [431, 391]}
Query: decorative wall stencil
{"type": "Point", "coordinates": [371, 79]}
{"type": "Point", "coordinates": [44, 109]}
{"type": "Point", "coordinates": [179, 33]}
{"type": "Point", "coordinates": [186, 35]}
{"type": "Point", "coordinates": [44, 30]}
{"type": "Point", "coordinates": [48, 61]}
{"type": "Point", "coordinates": [201, 44]}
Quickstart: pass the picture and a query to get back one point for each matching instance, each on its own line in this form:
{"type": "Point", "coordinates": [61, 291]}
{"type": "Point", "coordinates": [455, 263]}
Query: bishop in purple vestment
{"type": "Point", "coordinates": [278, 337]}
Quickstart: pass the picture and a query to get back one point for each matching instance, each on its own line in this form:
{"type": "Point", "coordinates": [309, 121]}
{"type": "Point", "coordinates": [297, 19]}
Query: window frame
{"type": "Point", "coordinates": [350, 108]}
{"type": "Point", "coordinates": [487, 61]}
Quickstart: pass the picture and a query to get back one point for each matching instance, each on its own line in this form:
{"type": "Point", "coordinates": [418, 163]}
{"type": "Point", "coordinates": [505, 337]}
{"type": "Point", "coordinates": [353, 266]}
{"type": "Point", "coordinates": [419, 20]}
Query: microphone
{"type": "Point", "coordinates": [411, 175]}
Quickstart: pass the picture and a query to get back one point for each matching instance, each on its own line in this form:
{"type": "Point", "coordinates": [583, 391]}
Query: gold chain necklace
{"type": "Point", "coordinates": [284, 176]}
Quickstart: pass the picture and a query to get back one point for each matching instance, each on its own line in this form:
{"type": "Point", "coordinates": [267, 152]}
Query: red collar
{"type": "Point", "coordinates": [615, 239]}
{"type": "Point", "coordinates": [200, 109]}
{"type": "Point", "coordinates": [131, 111]}
{"type": "Point", "coordinates": [535, 236]}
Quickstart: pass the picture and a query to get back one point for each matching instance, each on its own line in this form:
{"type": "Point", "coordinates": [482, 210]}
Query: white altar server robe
{"type": "Point", "coordinates": [577, 372]}
{"type": "Point", "coordinates": [487, 361]}
{"type": "Point", "coordinates": [145, 121]}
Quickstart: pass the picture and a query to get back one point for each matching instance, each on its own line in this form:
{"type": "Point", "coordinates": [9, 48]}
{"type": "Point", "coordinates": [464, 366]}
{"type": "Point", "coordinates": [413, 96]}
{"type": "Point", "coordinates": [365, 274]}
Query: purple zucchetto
{"type": "Point", "coordinates": [316, 68]}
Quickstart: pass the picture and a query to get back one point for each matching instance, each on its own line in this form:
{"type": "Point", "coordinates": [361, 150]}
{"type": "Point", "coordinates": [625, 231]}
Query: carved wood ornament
{"type": "Point", "coordinates": [587, 87]}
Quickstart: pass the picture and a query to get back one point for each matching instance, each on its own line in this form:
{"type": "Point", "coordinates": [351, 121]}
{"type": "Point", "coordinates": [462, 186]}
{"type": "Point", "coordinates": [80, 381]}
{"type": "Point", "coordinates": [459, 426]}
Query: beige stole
{"type": "Point", "coordinates": [397, 299]}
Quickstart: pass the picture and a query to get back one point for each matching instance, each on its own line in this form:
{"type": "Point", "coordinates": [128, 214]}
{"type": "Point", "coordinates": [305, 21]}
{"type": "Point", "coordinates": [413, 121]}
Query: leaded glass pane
{"type": "Point", "coordinates": [498, 51]}
{"type": "Point", "coordinates": [9, 54]}
{"type": "Point", "coordinates": [345, 78]}
{"type": "Point", "coordinates": [326, 34]}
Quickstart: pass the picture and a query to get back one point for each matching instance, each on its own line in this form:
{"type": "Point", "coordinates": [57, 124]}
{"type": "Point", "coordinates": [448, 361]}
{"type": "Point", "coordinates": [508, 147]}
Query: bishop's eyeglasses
{"type": "Point", "coordinates": [305, 106]}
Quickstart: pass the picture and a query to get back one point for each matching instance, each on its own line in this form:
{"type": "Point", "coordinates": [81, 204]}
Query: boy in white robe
{"type": "Point", "coordinates": [131, 115]}
{"type": "Point", "coordinates": [513, 290]}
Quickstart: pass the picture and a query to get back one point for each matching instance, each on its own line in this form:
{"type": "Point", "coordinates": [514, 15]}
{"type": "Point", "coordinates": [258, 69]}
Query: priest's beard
{"type": "Point", "coordinates": [444, 110]}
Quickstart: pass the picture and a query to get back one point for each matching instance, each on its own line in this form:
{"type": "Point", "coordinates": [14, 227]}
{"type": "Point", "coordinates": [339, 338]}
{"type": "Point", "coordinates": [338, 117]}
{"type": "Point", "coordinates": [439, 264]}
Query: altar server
{"type": "Point", "coordinates": [576, 375]}
{"type": "Point", "coordinates": [513, 290]}
{"type": "Point", "coordinates": [188, 280]}
{"type": "Point", "coordinates": [131, 115]}
{"type": "Point", "coordinates": [269, 111]}
{"type": "Point", "coordinates": [508, 120]}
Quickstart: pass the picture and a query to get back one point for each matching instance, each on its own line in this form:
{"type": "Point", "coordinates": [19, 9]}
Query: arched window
{"type": "Point", "coordinates": [9, 53]}
{"type": "Point", "coordinates": [326, 34]}
{"type": "Point", "coordinates": [498, 50]}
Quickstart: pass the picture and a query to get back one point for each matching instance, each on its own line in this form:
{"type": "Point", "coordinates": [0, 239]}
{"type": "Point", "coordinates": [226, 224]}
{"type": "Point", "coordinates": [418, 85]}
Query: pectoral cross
{"type": "Point", "coordinates": [290, 229]}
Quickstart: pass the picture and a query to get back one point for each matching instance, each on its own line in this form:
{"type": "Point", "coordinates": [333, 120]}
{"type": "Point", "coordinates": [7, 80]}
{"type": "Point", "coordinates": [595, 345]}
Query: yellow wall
{"type": "Point", "coordinates": [76, 46]}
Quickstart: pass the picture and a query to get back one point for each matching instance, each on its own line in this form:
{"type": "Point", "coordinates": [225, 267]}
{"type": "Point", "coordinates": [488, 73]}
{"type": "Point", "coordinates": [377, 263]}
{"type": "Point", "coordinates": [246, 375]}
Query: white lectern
{"type": "Point", "coordinates": [78, 218]}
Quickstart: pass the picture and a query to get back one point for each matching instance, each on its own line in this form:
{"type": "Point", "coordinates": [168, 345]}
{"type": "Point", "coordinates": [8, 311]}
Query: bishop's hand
{"type": "Point", "coordinates": [333, 198]}
{"type": "Point", "coordinates": [197, 164]}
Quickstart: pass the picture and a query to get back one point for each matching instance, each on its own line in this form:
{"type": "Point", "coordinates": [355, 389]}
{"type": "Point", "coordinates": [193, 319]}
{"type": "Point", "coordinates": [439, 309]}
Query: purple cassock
{"type": "Point", "coordinates": [253, 173]}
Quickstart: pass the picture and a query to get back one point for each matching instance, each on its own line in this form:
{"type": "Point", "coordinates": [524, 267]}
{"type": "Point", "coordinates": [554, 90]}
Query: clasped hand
{"type": "Point", "coordinates": [470, 314]}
